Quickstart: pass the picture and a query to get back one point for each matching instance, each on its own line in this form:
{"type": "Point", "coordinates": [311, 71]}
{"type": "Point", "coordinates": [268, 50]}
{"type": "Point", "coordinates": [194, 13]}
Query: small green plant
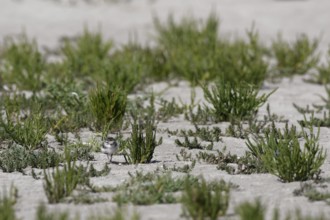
{"type": "Point", "coordinates": [196, 113]}
{"type": "Point", "coordinates": [251, 211]}
{"type": "Point", "coordinates": [184, 169]}
{"type": "Point", "coordinates": [281, 154]}
{"type": "Point", "coordinates": [194, 144]}
{"type": "Point", "coordinates": [140, 147]}
{"type": "Point", "coordinates": [313, 121]}
{"type": "Point", "coordinates": [108, 107]}
{"type": "Point", "coordinates": [7, 202]}
{"type": "Point", "coordinates": [61, 182]}
{"type": "Point", "coordinates": [325, 108]}
{"type": "Point", "coordinates": [326, 101]}
{"type": "Point", "coordinates": [201, 116]}
{"type": "Point", "coordinates": [295, 58]}
{"type": "Point", "coordinates": [22, 63]}
{"type": "Point", "coordinates": [205, 200]}
{"type": "Point", "coordinates": [233, 101]}
{"type": "Point", "coordinates": [204, 133]}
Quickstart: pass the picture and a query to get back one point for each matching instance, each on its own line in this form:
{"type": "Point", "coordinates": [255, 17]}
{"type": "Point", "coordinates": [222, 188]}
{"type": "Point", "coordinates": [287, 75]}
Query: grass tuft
{"type": "Point", "coordinates": [140, 147]}
{"type": "Point", "coordinates": [61, 182]}
{"type": "Point", "coordinates": [282, 154]}
{"type": "Point", "coordinates": [249, 211]}
{"type": "Point", "coordinates": [205, 200]}
{"type": "Point", "coordinates": [233, 101]}
{"type": "Point", "coordinates": [108, 107]}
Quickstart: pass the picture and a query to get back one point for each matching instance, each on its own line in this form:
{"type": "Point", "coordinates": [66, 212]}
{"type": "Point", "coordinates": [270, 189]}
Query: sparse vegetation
{"type": "Point", "coordinates": [246, 164]}
{"type": "Point", "coordinates": [314, 191]}
{"type": "Point", "coordinates": [151, 188]}
{"type": "Point", "coordinates": [46, 105]}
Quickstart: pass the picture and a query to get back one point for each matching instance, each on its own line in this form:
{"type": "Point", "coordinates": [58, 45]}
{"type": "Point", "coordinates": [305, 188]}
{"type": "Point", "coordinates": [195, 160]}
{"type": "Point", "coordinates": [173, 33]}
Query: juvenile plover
{"type": "Point", "coordinates": [109, 147]}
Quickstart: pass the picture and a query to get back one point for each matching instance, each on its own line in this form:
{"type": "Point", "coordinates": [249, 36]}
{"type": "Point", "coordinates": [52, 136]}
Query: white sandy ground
{"type": "Point", "coordinates": [47, 21]}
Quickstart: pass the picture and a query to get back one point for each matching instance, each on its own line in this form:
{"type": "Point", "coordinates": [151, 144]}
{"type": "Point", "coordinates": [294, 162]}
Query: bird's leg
{"type": "Point", "coordinates": [110, 158]}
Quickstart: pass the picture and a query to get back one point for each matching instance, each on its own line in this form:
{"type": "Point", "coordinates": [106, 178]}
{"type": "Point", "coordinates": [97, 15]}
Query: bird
{"type": "Point", "coordinates": [109, 147]}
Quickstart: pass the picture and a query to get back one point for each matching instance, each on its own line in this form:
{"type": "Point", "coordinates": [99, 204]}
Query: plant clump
{"type": "Point", "coordinates": [108, 107]}
{"type": "Point", "coordinates": [282, 154]}
{"type": "Point", "coordinates": [140, 147]}
{"type": "Point", "coordinates": [297, 57]}
{"type": "Point", "coordinates": [22, 63]}
{"type": "Point", "coordinates": [205, 200]}
{"type": "Point", "coordinates": [233, 101]}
